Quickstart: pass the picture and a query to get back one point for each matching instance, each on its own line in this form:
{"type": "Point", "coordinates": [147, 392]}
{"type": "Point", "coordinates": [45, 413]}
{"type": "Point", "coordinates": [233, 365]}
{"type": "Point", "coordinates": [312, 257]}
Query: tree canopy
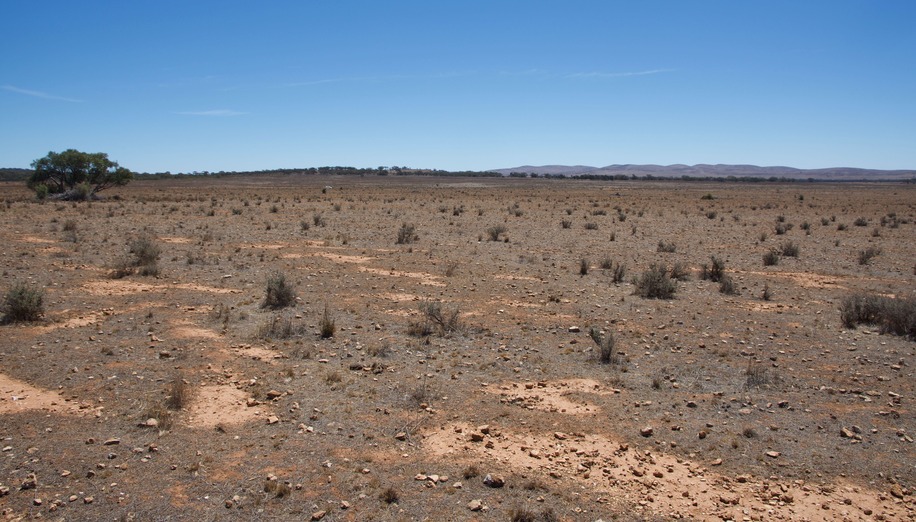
{"type": "Point", "coordinates": [72, 174]}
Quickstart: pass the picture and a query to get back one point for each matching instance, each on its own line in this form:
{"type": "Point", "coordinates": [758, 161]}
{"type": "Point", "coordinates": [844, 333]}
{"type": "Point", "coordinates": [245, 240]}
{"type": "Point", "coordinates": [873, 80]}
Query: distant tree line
{"type": "Point", "coordinates": [7, 174]}
{"type": "Point", "coordinates": [322, 171]}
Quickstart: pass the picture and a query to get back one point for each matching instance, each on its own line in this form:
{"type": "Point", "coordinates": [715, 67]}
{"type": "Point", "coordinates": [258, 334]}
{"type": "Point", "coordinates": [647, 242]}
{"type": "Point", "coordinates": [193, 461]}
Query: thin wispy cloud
{"type": "Point", "coordinates": [381, 78]}
{"type": "Point", "coordinates": [619, 74]}
{"type": "Point", "coordinates": [38, 94]}
{"type": "Point", "coordinates": [216, 112]}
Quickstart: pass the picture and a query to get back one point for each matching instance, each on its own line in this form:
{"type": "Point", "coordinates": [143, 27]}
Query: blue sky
{"type": "Point", "coordinates": [226, 85]}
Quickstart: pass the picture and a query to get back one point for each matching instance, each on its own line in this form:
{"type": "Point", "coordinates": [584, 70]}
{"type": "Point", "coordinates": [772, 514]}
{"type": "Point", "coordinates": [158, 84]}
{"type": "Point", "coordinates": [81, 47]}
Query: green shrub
{"type": "Point", "coordinates": [714, 271]}
{"type": "Point", "coordinates": [494, 232]}
{"type": "Point", "coordinates": [771, 258]}
{"type": "Point", "coordinates": [666, 246]}
{"type": "Point", "coordinates": [619, 272]}
{"type": "Point", "coordinates": [789, 249]}
{"type": "Point", "coordinates": [892, 315]}
{"type": "Point", "coordinates": [607, 354]}
{"type": "Point", "coordinates": [655, 283]}
{"type": "Point", "coordinates": [865, 256]}
{"type": "Point", "coordinates": [407, 234]}
{"type": "Point", "coordinates": [280, 293]}
{"type": "Point", "coordinates": [145, 250]}
{"type": "Point", "coordinates": [679, 271]}
{"type": "Point", "coordinates": [22, 303]}
{"type": "Point", "coordinates": [727, 285]}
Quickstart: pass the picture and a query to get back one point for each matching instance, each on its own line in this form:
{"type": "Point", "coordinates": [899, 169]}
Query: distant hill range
{"type": "Point", "coordinates": [714, 171]}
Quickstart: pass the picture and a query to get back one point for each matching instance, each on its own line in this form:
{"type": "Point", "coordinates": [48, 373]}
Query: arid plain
{"type": "Point", "coordinates": [436, 361]}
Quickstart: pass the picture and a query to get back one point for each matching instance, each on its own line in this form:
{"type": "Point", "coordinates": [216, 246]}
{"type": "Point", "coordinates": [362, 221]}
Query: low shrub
{"type": "Point", "coordinates": [771, 258]}
{"type": "Point", "coordinates": [22, 303]}
{"type": "Point", "coordinates": [494, 232]}
{"type": "Point", "coordinates": [865, 256]}
{"type": "Point", "coordinates": [667, 247]}
{"type": "Point", "coordinates": [789, 249]}
{"type": "Point", "coordinates": [280, 293]}
{"type": "Point", "coordinates": [679, 271]}
{"type": "Point", "coordinates": [407, 234]}
{"type": "Point", "coordinates": [327, 326]}
{"type": "Point", "coordinates": [727, 285]}
{"type": "Point", "coordinates": [607, 354]}
{"type": "Point", "coordinates": [655, 283]}
{"type": "Point", "coordinates": [714, 271]}
{"type": "Point", "coordinates": [892, 315]}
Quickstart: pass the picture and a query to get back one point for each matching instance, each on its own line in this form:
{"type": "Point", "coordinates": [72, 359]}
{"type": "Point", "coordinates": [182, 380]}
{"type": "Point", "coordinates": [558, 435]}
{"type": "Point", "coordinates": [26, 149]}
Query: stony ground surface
{"type": "Point", "coordinates": [176, 395]}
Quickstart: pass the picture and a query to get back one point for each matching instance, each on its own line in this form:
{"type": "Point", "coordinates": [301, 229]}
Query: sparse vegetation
{"type": "Point", "coordinates": [606, 344]}
{"type": "Point", "coordinates": [866, 255]}
{"type": "Point", "coordinates": [407, 234]}
{"type": "Point", "coordinates": [893, 315]}
{"type": "Point", "coordinates": [679, 271]}
{"type": "Point", "coordinates": [789, 249]}
{"type": "Point", "coordinates": [771, 258]}
{"type": "Point", "coordinates": [279, 326]}
{"type": "Point", "coordinates": [21, 303]}
{"type": "Point", "coordinates": [668, 247]}
{"type": "Point", "coordinates": [583, 266]}
{"type": "Point", "coordinates": [727, 285]}
{"type": "Point", "coordinates": [655, 283]}
{"type": "Point", "coordinates": [433, 318]}
{"type": "Point", "coordinates": [713, 271]}
{"type": "Point", "coordinates": [327, 326]}
{"type": "Point", "coordinates": [279, 292]}
{"type": "Point", "coordinates": [495, 232]}
{"type": "Point", "coordinates": [316, 426]}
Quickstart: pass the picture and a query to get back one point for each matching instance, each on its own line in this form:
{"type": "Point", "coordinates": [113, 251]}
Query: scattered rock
{"type": "Point", "coordinates": [897, 491]}
{"type": "Point", "coordinates": [647, 431]}
{"type": "Point", "coordinates": [273, 419]}
{"type": "Point", "coordinates": [30, 482]}
{"type": "Point", "coordinates": [574, 329]}
{"type": "Point", "coordinates": [401, 436]}
{"type": "Point", "coordinates": [273, 395]}
{"type": "Point", "coordinates": [318, 515]}
{"type": "Point", "coordinates": [493, 481]}
{"type": "Point", "coordinates": [112, 442]}
{"type": "Point", "coordinates": [475, 505]}
{"type": "Point", "coordinates": [773, 454]}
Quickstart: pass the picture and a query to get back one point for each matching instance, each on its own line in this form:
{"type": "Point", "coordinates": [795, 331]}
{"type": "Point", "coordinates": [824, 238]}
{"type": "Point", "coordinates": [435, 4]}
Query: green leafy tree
{"type": "Point", "coordinates": [72, 174]}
